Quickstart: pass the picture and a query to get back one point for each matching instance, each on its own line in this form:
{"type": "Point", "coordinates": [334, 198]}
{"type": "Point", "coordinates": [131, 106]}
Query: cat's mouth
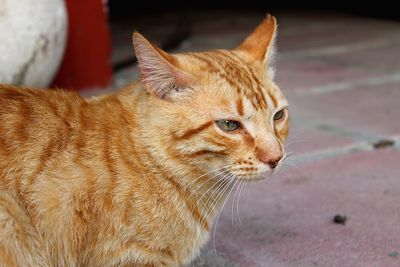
{"type": "Point", "coordinates": [251, 171]}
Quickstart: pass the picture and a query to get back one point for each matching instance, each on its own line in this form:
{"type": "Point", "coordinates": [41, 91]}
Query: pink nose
{"type": "Point", "coordinates": [272, 159]}
{"type": "Point", "coordinates": [273, 163]}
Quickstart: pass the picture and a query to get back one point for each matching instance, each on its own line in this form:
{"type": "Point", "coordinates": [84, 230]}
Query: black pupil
{"type": "Point", "coordinates": [278, 115]}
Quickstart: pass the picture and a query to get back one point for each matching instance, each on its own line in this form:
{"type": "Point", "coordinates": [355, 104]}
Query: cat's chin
{"type": "Point", "coordinates": [254, 177]}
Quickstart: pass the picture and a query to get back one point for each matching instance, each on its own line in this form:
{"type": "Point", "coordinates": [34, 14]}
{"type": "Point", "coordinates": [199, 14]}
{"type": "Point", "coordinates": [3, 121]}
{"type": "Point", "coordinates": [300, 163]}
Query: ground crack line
{"type": "Point", "coordinates": [348, 149]}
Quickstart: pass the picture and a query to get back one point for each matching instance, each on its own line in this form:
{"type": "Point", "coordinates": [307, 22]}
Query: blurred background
{"type": "Point", "coordinates": [338, 63]}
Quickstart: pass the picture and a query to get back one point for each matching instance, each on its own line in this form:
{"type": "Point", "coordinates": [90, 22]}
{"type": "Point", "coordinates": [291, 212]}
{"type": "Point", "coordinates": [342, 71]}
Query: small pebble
{"type": "Point", "coordinates": [393, 254]}
{"type": "Point", "coordinates": [340, 219]}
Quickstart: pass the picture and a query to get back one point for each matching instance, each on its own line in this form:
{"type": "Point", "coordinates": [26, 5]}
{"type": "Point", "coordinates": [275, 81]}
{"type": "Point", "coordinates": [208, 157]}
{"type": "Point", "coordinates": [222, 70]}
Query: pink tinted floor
{"type": "Point", "coordinates": [341, 76]}
{"type": "Point", "coordinates": [288, 220]}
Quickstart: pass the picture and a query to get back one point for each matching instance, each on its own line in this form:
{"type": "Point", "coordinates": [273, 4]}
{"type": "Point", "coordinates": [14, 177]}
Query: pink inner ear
{"type": "Point", "coordinates": [179, 77]}
{"type": "Point", "coordinates": [146, 72]}
{"type": "Point", "coordinates": [160, 71]}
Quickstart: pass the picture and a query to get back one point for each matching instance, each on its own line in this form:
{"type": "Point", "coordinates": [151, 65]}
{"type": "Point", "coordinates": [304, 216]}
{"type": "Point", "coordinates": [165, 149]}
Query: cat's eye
{"type": "Point", "coordinates": [279, 115]}
{"type": "Point", "coordinates": [228, 125]}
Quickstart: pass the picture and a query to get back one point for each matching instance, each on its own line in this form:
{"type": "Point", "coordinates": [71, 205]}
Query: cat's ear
{"type": "Point", "coordinates": [160, 71]}
{"type": "Point", "coordinates": [259, 45]}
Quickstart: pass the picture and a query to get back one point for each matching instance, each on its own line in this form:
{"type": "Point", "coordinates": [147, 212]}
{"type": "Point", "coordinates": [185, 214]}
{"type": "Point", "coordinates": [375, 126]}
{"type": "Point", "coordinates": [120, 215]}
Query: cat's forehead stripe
{"type": "Point", "coordinates": [239, 106]}
{"type": "Point", "coordinates": [230, 67]}
{"type": "Point", "coordinates": [239, 75]}
{"type": "Point", "coordinates": [250, 79]}
{"type": "Point", "coordinates": [209, 65]}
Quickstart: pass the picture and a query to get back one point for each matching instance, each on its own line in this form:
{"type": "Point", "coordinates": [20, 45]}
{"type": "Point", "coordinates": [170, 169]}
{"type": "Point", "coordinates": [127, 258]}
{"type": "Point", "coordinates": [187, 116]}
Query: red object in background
{"type": "Point", "coordinates": [86, 62]}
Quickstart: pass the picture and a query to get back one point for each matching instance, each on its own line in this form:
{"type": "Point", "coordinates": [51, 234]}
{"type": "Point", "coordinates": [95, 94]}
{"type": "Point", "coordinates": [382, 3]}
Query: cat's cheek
{"type": "Point", "coordinates": [212, 162]}
{"type": "Point", "coordinates": [282, 131]}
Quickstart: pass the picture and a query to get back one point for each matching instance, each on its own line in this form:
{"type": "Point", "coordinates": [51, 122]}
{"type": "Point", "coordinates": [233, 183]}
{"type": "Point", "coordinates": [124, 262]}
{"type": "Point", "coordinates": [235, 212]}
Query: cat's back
{"type": "Point", "coordinates": [34, 122]}
{"type": "Point", "coordinates": [36, 105]}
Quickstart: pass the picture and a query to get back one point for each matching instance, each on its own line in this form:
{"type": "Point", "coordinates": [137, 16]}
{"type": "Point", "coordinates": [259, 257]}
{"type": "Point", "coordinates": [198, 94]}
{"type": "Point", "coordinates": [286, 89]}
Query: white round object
{"type": "Point", "coordinates": [32, 41]}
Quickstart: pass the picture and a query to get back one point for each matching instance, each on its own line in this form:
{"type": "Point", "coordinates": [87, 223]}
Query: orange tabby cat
{"type": "Point", "coordinates": [136, 177]}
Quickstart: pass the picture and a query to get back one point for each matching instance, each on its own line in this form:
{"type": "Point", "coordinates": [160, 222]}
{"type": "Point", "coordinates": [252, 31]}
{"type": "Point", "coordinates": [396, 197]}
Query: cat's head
{"type": "Point", "coordinates": [222, 106]}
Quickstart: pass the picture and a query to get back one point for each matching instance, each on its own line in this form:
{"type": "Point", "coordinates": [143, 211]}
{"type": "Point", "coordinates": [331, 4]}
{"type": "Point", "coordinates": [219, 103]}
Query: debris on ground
{"type": "Point", "coordinates": [340, 219]}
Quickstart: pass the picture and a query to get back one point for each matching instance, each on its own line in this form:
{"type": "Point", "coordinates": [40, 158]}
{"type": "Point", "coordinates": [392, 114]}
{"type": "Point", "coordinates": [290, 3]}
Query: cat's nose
{"type": "Point", "coordinates": [273, 163]}
{"type": "Point", "coordinates": [269, 157]}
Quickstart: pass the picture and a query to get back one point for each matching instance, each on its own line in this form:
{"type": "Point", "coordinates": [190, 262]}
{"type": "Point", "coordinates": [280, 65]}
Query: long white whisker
{"type": "Point", "coordinates": [211, 187]}
{"type": "Point", "coordinates": [292, 142]}
{"type": "Point", "coordinates": [235, 198]}
{"type": "Point", "coordinates": [298, 137]}
{"type": "Point", "coordinates": [207, 173]}
{"type": "Point", "coordinates": [291, 164]}
{"type": "Point", "coordinates": [290, 154]}
{"type": "Point", "coordinates": [244, 183]}
{"type": "Point", "coordinates": [222, 183]}
{"type": "Point", "coordinates": [216, 198]}
{"type": "Point", "coordinates": [208, 179]}
{"type": "Point", "coordinates": [234, 181]}
{"type": "Point", "coordinates": [216, 191]}
{"type": "Point", "coordinates": [226, 186]}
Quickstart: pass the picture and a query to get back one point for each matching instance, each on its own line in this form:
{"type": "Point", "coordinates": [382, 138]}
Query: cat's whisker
{"type": "Point", "coordinates": [217, 193]}
{"type": "Point", "coordinates": [290, 160]}
{"type": "Point", "coordinates": [235, 198]}
{"type": "Point", "coordinates": [285, 166]}
{"type": "Point", "coordinates": [296, 137]}
{"type": "Point", "coordinates": [289, 143]}
{"type": "Point", "coordinates": [291, 156]}
{"type": "Point", "coordinates": [221, 184]}
{"type": "Point", "coordinates": [217, 196]}
{"type": "Point", "coordinates": [231, 185]}
{"type": "Point", "coordinates": [244, 184]}
{"type": "Point", "coordinates": [208, 179]}
{"type": "Point", "coordinates": [234, 181]}
{"type": "Point", "coordinates": [292, 142]}
{"type": "Point", "coordinates": [214, 170]}
{"type": "Point", "coordinates": [217, 183]}
{"type": "Point", "coordinates": [292, 165]}
{"type": "Point", "coordinates": [233, 201]}
{"type": "Point", "coordinates": [207, 173]}
{"type": "Point", "coordinates": [204, 183]}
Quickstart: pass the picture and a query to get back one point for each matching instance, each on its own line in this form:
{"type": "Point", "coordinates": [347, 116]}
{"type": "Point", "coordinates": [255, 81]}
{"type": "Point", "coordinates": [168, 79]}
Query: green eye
{"type": "Point", "coordinates": [279, 115]}
{"type": "Point", "coordinates": [228, 125]}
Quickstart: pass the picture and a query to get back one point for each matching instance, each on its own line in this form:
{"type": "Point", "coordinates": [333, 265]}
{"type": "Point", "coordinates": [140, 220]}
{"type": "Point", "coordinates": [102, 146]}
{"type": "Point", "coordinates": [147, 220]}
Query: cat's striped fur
{"type": "Point", "coordinates": [135, 178]}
